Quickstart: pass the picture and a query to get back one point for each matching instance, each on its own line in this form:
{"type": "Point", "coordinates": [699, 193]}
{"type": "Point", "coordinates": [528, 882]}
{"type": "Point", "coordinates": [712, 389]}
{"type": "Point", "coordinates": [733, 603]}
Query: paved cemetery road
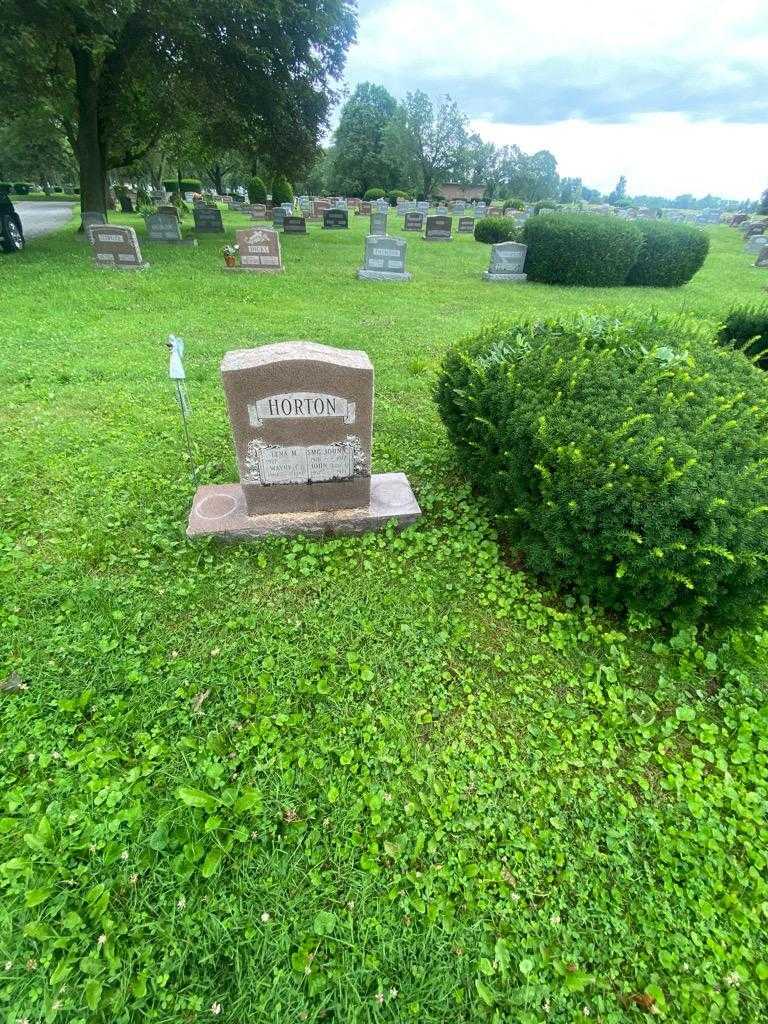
{"type": "Point", "coordinates": [41, 218]}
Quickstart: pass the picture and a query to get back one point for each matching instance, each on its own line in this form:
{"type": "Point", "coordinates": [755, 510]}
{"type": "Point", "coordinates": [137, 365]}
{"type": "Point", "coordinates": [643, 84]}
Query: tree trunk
{"type": "Point", "coordinates": [218, 179]}
{"type": "Point", "coordinates": [89, 150]}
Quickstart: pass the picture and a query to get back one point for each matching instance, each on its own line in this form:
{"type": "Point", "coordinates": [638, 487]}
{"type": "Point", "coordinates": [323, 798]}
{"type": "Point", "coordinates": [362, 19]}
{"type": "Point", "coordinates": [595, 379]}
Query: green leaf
{"type": "Point", "coordinates": [92, 994]}
{"type": "Point", "coordinates": [249, 799]}
{"type": "Point", "coordinates": [485, 993]}
{"type": "Point", "coordinates": [332, 795]}
{"type": "Point", "coordinates": [577, 981]}
{"type": "Point", "coordinates": [35, 897]}
{"type": "Point", "coordinates": [38, 930]}
{"type": "Point", "coordinates": [212, 861]}
{"type": "Point", "coordinates": [761, 970]}
{"type": "Point", "coordinates": [197, 798]}
{"type": "Point", "coordinates": [526, 966]}
{"type": "Point", "coordinates": [139, 986]}
{"type": "Point", "coordinates": [62, 971]}
{"type": "Point", "coordinates": [324, 922]}
{"type": "Point", "coordinates": [685, 713]}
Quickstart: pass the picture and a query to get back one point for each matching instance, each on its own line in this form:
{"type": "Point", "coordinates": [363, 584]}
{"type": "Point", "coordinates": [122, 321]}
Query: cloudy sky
{"type": "Point", "coordinates": [671, 93]}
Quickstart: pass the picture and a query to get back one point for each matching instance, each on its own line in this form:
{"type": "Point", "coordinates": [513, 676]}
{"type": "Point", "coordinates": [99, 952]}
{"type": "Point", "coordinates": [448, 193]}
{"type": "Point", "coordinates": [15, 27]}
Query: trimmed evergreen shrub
{"type": "Point", "coordinates": [6, 187]}
{"type": "Point", "coordinates": [746, 328]}
{"type": "Point", "coordinates": [21, 188]}
{"type": "Point", "coordinates": [257, 190]}
{"type": "Point", "coordinates": [625, 460]}
{"type": "Point", "coordinates": [190, 185]}
{"type": "Point", "coordinates": [374, 193]}
{"type": "Point", "coordinates": [512, 204]}
{"type": "Point", "coordinates": [670, 254]}
{"type": "Point", "coordinates": [496, 229]}
{"type": "Point", "coordinates": [281, 190]}
{"type": "Point", "coordinates": [171, 185]}
{"type": "Point", "coordinates": [544, 204]}
{"type": "Point", "coordinates": [394, 195]}
{"type": "Point", "coordinates": [580, 249]}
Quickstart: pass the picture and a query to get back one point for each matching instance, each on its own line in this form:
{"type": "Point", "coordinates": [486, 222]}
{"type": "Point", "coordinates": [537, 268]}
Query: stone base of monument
{"type": "Point", "coordinates": [192, 242]}
{"type": "Point", "coordinates": [119, 266]}
{"type": "Point", "coordinates": [383, 275]}
{"type": "Point", "coordinates": [219, 511]}
{"type": "Point", "coordinates": [513, 278]}
{"type": "Point", "coordinates": [254, 270]}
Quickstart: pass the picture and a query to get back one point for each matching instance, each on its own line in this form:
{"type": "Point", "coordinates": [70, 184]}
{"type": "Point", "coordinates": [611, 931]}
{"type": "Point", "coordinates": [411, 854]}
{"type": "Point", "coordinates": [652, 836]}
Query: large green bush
{"type": "Point", "coordinates": [190, 185]}
{"type": "Point", "coordinates": [746, 329]}
{"type": "Point", "coordinates": [281, 190]}
{"type": "Point", "coordinates": [625, 460]}
{"type": "Point", "coordinates": [580, 249]}
{"type": "Point", "coordinates": [374, 193]}
{"type": "Point", "coordinates": [496, 229]}
{"type": "Point", "coordinates": [6, 187]}
{"type": "Point", "coordinates": [257, 190]}
{"type": "Point", "coordinates": [670, 254]}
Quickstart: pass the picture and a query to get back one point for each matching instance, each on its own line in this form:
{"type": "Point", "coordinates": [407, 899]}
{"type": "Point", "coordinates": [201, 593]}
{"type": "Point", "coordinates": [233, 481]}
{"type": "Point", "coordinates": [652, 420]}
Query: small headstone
{"type": "Point", "coordinates": [507, 262]}
{"type": "Point", "coordinates": [208, 219]}
{"type": "Point", "coordinates": [278, 216]}
{"type": "Point", "coordinates": [319, 206]}
{"type": "Point", "coordinates": [382, 205]}
{"type": "Point", "coordinates": [756, 242]}
{"type": "Point", "coordinates": [762, 257]}
{"type": "Point", "coordinates": [458, 206]}
{"type": "Point", "coordinates": [335, 219]}
{"type": "Point", "coordinates": [466, 225]}
{"type": "Point", "coordinates": [413, 222]}
{"type": "Point", "coordinates": [438, 229]}
{"type": "Point", "coordinates": [442, 211]}
{"type": "Point", "coordinates": [378, 225]}
{"type": "Point", "coordinates": [301, 416]}
{"type": "Point", "coordinates": [384, 259]}
{"type": "Point", "coordinates": [165, 227]}
{"type": "Point", "coordinates": [294, 225]}
{"type": "Point", "coordinates": [256, 211]}
{"type": "Point", "coordinates": [89, 219]}
{"type": "Point", "coordinates": [364, 208]}
{"type": "Point", "coordinates": [169, 211]}
{"type": "Point", "coordinates": [126, 204]}
{"type": "Point", "coordinates": [259, 250]}
{"type": "Point", "coordinates": [115, 247]}
{"type": "Point", "coordinates": [288, 207]}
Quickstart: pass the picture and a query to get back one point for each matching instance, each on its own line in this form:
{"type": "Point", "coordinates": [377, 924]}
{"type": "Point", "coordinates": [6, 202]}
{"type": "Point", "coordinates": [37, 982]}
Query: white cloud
{"type": "Point", "coordinates": [672, 93]}
{"type": "Point", "coordinates": [661, 154]}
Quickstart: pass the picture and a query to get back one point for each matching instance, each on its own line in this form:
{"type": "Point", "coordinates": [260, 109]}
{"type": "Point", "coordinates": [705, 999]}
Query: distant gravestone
{"type": "Point", "coordinates": [438, 229]}
{"type": "Point", "coordinates": [294, 225]}
{"type": "Point", "coordinates": [480, 210]}
{"type": "Point", "coordinates": [762, 257]}
{"type": "Point", "coordinates": [115, 247]}
{"type": "Point", "coordinates": [442, 211]}
{"type": "Point", "coordinates": [319, 206]}
{"type": "Point", "coordinates": [335, 219]}
{"type": "Point", "coordinates": [256, 211]}
{"type": "Point", "coordinates": [169, 211]}
{"type": "Point", "coordinates": [422, 207]}
{"type": "Point", "coordinates": [302, 418]}
{"type": "Point", "coordinates": [364, 208]}
{"type": "Point", "coordinates": [165, 227]}
{"type": "Point", "coordinates": [466, 225]}
{"type": "Point", "coordinates": [458, 206]}
{"type": "Point", "coordinates": [89, 219]}
{"type": "Point", "coordinates": [288, 207]}
{"type": "Point", "coordinates": [378, 224]}
{"type": "Point", "coordinates": [413, 222]}
{"type": "Point", "coordinates": [384, 259]}
{"type": "Point", "coordinates": [507, 263]}
{"type": "Point", "coordinates": [382, 205]}
{"type": "Point", "coordinates": [756, 242]}
{"type": "Point", "coordinates": [208, 220]}
{"type": "Point", "coordinates": [278, 216]}
{"type": "Point", "coordinates": [126, 204]}
{"type": "Point", "coordinates": [259, 251]}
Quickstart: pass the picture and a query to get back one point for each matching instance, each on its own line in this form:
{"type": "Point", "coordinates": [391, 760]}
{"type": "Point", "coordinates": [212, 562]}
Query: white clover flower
{"type": "Point", "coordinates": [8, 965]}
{"type": "Point", "coordinates": [101, 939]}
{"type": "Point", "coordinates": [124, 855]}
{"type": "Point", "coordinates": [585, 1010]}
{"type": "Point", "coordinates": [215, 1009]}
{"type": "Point", "coordinates": [350, 904]}
{"type": "Point", "coordinates": [733, 979]}
{"type": "Point", "coordinates": [265, 917]}
{"type": "Point", "coordinates": [181, 902]}
{"type": "Point", "coordinates": [554, 919]}
{"type": "Point", "coordinates": [379, 998]}
{"type": "Point", "coordinates": [393, 993]}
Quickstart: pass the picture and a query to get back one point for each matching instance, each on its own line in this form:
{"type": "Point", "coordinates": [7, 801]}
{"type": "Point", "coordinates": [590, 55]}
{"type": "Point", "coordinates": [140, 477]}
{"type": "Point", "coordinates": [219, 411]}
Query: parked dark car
{"type": "Point", "coordinates": [11, 231]}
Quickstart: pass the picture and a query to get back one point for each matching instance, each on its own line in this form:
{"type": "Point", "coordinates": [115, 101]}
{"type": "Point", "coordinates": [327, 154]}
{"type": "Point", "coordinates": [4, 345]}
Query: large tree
{"type": "Point", "coordinates": [118, 74]}
{"type": "Point", "coordinates": [433, 140]}
{"type": "Point", "coordinates": [359, 163]}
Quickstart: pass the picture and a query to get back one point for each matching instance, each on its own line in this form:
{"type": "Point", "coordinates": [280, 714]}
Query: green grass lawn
{"type": "Point", "coordinates": [384, 778]}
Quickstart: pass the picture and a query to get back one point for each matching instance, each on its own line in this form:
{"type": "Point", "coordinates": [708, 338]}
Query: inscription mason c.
{"type": "Point", "coordinates": [306, 405]}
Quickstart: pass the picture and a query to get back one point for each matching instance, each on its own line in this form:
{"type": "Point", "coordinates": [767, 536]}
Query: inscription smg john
{"type": "Point", "coordinates": [305, 405]}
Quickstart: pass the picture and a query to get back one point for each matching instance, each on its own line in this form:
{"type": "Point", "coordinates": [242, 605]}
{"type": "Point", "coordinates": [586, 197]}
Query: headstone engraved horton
{"type": "Point", "coordinates": [301, 416]}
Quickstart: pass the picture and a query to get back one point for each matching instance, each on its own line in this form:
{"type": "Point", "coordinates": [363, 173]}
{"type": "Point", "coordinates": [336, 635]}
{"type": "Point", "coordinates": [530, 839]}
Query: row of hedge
{"type": "Point", "coordinates": [625, 460]}
{"type": "Point", "coordinates": [574, 249]}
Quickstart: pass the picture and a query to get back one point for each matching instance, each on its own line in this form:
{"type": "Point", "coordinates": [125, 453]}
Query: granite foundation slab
{"type": "Point", "coordinates": [191, 242]}
{"type": "Point", "coordinates": [383, 275]}
{"type": "Point", "coordinates": [116, 266]}
{"type": "Point", "coordinates": [254, 270]}
{"type": "Point", "coordinates": [513, 278]}
{"type": "Point", "coordinates": [219, 511]}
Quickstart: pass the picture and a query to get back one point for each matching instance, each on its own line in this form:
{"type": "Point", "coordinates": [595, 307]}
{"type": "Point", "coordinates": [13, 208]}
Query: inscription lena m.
{"type": "Point", "coordinates": [295, 464]}
{"type": "Point", "coordinates": [300, 405]}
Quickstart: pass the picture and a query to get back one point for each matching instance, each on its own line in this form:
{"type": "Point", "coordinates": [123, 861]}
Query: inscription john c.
{"type": "Point", "coordinates": [306, 405]}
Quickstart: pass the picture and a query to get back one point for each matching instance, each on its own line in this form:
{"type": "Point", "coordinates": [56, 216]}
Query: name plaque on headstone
{"type": "Point", "coordinates": [335, 219]}
{"type": "Point", "coordinates": [115, 247]}
{"type": "Point", "coordinates": [507, 263]}
{"type": "Point", "coordinates": [384, 259]}
{"type": "Point", "coordinates": [208, 219]}
{"type": "Point", "coordinates": [438, 229]}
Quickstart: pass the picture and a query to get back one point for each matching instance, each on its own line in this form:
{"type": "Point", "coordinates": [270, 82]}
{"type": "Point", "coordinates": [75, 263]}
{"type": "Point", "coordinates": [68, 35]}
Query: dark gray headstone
{"type": "Point", "coordinates": [335, 219]}
{"type": "Point", "coordinates": [438, 229]}
{"type": "Point", "coordinates": [208, 219]}
{"type": "Point", "coordinates": [294, 225]}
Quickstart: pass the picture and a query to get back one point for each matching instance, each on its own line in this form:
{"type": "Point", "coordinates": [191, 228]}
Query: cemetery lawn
{"type": "Point", "coordinates": [384, 778]}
